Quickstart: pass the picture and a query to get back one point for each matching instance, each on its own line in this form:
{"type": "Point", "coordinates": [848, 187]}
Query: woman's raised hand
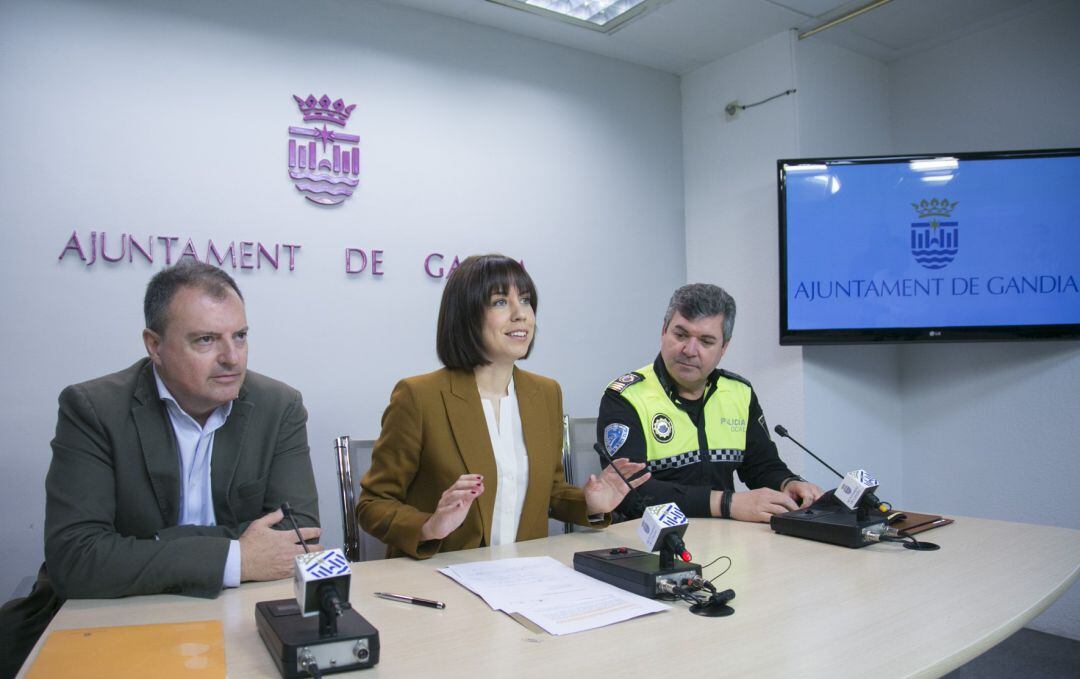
{"type": "Point", "coordinates": [453, 507]}
{"type": "Point", "coordinates": [604, 493]}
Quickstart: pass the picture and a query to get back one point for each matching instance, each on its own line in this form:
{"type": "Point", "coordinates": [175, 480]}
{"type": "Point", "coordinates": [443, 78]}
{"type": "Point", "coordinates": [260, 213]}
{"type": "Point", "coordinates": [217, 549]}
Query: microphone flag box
{"type": "Point", "coordinates": [854, 486]}
{"type": "Point", "coordinates": [320, 568]}
{"type": "Point", "coordinates": [659, 520]}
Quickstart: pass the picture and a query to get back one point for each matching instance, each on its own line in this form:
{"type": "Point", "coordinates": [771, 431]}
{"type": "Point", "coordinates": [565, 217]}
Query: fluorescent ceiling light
{"type": "Point", "coordinates": [937, 178]}
{"type": "Point", "coordinates": [806, 167]}
{"type": "Point", "coordinates": [599, 15]}
{"type": "Point", "coordinates": [932, 164]}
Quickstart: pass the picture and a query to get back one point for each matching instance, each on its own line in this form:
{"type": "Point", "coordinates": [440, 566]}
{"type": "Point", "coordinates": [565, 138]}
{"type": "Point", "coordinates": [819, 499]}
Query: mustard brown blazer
{"type": "Point", "coordinates": [434, 431]}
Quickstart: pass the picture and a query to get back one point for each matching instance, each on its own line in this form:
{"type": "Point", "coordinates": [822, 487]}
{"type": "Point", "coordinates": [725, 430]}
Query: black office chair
{"type": "Point", "coordinates": [354, 458]}
{"type": "Point", "coordinates": [578, 457]}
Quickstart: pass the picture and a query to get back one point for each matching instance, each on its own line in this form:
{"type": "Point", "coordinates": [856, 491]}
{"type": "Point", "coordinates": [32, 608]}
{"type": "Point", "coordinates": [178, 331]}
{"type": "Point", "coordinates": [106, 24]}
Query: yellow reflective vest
{"type": "Point", "coordinates": [671, 437]}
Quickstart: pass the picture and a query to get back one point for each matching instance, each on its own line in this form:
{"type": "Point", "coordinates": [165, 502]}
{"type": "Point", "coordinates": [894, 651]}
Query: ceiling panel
{"type": "Point", "coordinates": [700, 31]}
{"type": "Point", "coordinates": [681, 35]}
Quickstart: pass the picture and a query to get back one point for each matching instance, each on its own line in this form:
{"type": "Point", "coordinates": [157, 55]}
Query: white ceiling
{"type": "Point", "coordinates": [679, 36]}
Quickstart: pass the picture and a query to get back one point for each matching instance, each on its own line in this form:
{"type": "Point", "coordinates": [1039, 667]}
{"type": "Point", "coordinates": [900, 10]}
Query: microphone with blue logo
{"type": "Point", "coordinates": [851, 515]}
{"type": "Point", "coordinates": [662, 525]}
{"type": "Point", "coordinates": [321, 583]}
{"type": "Point", "coordinates": [340, 640]}
{"type": "Point", "coordinates": [661, 529]}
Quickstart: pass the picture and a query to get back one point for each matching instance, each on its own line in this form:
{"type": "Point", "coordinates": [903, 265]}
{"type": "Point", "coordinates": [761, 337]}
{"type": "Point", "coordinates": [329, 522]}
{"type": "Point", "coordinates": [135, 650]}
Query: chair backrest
{"type": "Point", "coordinates": [579, 458]}
{"type": "Point", "coordinates": [354, 459]}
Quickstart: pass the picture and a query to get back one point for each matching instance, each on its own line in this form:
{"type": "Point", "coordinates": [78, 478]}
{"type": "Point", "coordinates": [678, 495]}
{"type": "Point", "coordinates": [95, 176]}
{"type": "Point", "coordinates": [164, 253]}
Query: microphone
{"type": "Point", "coordinates": [674, 542]}
{"type": "Point", "coordinates": [857, 486]}
{"type": "Point", "coordinates": [662, 527]}
{"type": "Point", "coordinates": [855, 482]}
{"type": "Point", "coordinates": [321, 582]}
{"type": "Point", "coordinates": [653, 529]}
{"type": "Point", "coordinates": [784, 432]}
{"type": "Point", "coordinates": [340, 640]}
{"type": "Point", "coordinates": [287, 512]}
{"type": "Point", "coordinates": [643, 573]}
{"type": "Point", "coordinates": [640, 500]}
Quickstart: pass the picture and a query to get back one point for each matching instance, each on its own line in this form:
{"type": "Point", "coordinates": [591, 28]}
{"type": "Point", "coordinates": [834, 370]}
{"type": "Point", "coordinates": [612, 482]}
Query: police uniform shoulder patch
{"type": "Point", "coordinates": [615, 435]}
{"type": "Point", "coordinates": [617, 385]}
{"type": "Point", "coordinates": [735, 376]}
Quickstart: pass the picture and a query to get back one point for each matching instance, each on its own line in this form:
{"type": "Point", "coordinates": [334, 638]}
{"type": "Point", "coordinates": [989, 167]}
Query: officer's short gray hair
{"type": "Point", "coordinates": [701, 300]}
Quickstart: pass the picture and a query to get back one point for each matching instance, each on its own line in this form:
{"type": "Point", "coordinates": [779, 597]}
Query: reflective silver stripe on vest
{"type": "Point", "coordinates": [693, 456]}
{"type": "Point", "coordinates": [726, 455]}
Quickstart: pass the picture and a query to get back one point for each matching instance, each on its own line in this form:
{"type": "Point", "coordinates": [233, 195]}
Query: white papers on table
{"type": "Point", "coordinates": [555, 597]}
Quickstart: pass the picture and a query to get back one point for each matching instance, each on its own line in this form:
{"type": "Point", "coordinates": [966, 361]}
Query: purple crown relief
{"type": "Point", "coordinates": [321, 109]}
{"type": "Point", "coordinates": [324, 163]}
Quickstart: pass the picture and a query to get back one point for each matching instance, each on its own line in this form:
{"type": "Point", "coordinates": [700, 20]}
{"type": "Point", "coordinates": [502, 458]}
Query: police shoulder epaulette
{"type": "Point", "coordinates": [620, 383]}
{"type": "Point", "coordinates": [734, 376]}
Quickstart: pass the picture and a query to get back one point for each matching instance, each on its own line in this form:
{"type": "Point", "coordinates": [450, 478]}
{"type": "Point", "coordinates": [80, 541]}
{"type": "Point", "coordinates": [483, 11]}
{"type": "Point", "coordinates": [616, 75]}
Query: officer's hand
{"type": "Point", "coordinates": [759, 505]}
{"type": "Point", "coordinates": [802, 492]}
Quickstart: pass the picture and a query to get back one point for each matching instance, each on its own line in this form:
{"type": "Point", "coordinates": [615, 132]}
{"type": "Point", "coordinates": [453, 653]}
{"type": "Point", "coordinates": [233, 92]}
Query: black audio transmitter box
{"type": "Point", "coordinates": [631, 569]}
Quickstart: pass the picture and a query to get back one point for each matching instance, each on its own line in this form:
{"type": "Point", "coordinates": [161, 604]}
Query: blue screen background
{"type": "Point", "coordinates": [1015, 218]}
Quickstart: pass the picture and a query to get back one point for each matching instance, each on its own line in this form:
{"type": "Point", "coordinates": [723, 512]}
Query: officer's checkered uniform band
{"type": "Point", "coordinates": [693, 456]}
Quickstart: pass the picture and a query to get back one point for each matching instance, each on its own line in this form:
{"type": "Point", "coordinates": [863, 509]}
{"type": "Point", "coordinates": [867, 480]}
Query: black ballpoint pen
{"type": "Point", "coordinates": [416, 601]}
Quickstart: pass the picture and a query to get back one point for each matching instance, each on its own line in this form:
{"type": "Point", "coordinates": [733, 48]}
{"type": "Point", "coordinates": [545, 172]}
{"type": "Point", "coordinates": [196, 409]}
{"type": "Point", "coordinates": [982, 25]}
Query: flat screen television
{"type": "Point", "coordinates": [929, 248]}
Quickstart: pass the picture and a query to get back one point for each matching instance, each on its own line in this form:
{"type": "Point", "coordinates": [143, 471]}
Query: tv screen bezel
{"type": "Point", "coordinates": [983, 333]}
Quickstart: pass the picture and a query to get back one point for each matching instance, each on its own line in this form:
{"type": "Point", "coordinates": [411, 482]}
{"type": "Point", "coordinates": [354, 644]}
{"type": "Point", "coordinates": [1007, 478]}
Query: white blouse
{"type": "Point", "coordinates": [512, 462]}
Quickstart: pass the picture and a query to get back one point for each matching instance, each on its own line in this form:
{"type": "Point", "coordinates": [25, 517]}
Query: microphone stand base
{"type": "Point", "coordinates": [921, 546]}
{"type": "Point", "coordinates": [712, 610]}
{"type": "Point", "coordinates": [293, 639]}
{"type": "Point", "coordinates": [828, 520]}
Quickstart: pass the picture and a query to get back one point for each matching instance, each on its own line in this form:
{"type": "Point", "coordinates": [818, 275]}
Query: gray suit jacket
{"type": "Point", "coordinates": [113, 488]}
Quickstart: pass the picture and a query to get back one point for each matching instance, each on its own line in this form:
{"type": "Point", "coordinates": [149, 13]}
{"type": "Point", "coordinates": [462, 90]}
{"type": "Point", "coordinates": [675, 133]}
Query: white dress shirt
{"type": "Point", "coordinates": [512, 462]}
{"type": "Point", "coordinates": [195, 443]}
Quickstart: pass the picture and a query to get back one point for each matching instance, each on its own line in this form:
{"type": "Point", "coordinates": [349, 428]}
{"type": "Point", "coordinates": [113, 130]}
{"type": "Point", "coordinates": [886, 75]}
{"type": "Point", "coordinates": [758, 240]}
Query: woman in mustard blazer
{"type": "Point", "coordinates": [471, 455]}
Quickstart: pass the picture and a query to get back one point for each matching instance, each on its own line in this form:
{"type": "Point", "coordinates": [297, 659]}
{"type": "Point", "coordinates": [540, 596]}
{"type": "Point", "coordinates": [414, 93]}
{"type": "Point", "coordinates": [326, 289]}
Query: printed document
{"type": "Point", "coordinates": [555, 597]}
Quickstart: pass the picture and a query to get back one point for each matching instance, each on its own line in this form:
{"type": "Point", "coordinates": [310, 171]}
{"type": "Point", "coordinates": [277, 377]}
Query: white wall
{"type": "Point", "coordinates": [974, 429]}
{"type": "Point", "coordinates": [991, 429]}
{"type": "Point", "coordinates": [1012, 86]}
{"type": "Point", "coordinates": [164, 118]}
{"type": "Point", "coordinates": [731, 233]}
{"type": "Point", "coordinates": [731, 213]}
{"type": "Point", "coordinates": [843, 102]}
{"type": "Point", "coordinates": [853, 400]}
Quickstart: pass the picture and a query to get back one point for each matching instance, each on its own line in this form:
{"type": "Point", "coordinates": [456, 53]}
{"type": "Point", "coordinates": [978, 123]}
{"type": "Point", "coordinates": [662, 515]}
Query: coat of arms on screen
{"type": "Point", "coordinates": [324, 163]}
{"type": "Point", "coordinates": [935, 237]}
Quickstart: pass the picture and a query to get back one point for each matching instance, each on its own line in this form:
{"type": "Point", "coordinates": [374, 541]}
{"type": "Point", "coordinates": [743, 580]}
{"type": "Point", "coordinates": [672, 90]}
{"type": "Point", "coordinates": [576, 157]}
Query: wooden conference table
{"type": "Point", "coordinates": [803, 609]}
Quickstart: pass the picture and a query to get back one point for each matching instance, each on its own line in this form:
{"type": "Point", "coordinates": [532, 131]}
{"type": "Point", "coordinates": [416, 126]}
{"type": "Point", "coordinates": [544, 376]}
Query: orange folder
{"type": "Point", "coordinates": [164, 651]}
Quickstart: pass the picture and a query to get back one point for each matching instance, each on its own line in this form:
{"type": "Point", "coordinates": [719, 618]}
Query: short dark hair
{"type": "Point", "coordinates": [459, 339]}
{"type": "Point", "coordinates": [167, 282]}
{"type": "Point", "coordinates": [700, 300]}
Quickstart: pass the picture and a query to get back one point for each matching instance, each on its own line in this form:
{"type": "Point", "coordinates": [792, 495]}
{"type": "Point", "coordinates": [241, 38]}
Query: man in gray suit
{"type": "Point", "coordinates": [167, 476]}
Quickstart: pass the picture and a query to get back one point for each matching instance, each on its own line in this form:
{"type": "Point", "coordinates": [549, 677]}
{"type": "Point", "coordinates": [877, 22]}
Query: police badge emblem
{"type": "Point", "coordinates": [662, 429]}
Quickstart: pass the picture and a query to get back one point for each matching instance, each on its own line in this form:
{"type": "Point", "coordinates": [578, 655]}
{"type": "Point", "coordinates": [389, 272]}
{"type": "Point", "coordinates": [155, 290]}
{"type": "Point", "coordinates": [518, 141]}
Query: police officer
{"type": "Point", "coordinates": [693, 424]}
